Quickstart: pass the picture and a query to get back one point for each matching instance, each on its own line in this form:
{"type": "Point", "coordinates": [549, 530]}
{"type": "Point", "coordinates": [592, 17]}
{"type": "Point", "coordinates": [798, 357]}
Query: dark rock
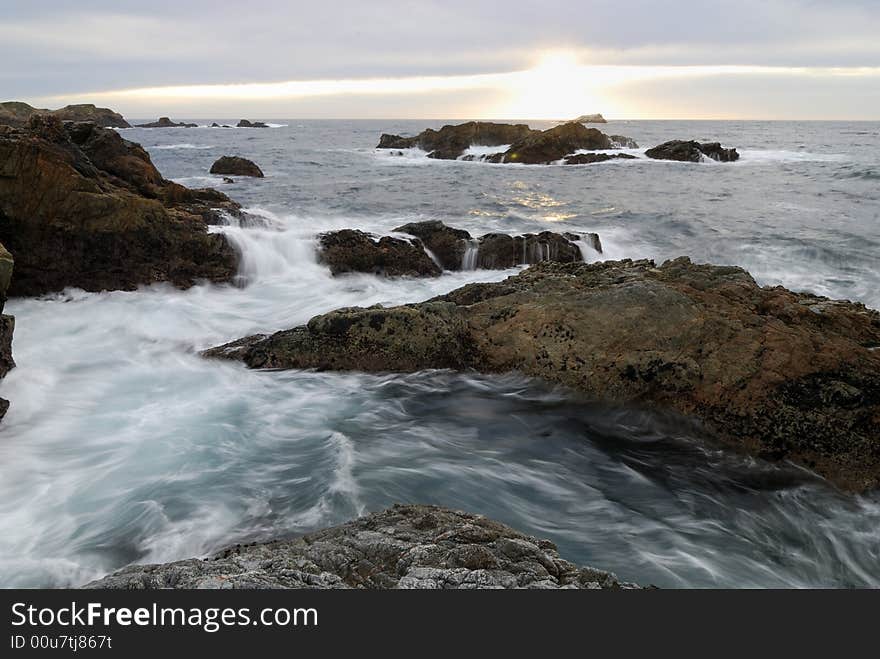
{"type": "Point", "coordinates": [445, 243]}
{"type": "Point", "coordinates": [548, 146]}
{"type": "Point", "coordinates": [350, 250]}
{"type": "Point", "coordinates": [591, 239]}
{"type": "Point", "coordinates": [774, 373]}
{"type": "Point", "coordinates": [236, 166]}
{"type": "Point", "coordinates": [623, 142]}
{"type": "Point", "coordinates": [498, 251]}
{"type": "Point", "coordinates": [7, 323]}
{"type": "Point", "coordinates": [165, 122]}
{"type": "Point", "coordinates": [691, 151]}
{"type": "Point", "coordinates": [450, 142]}
{"type": "Point", "coordinates": [405, 547]}
{"type": "Point", "coordinates": [226, 179]}
{"type": "Point", "coordinates": [14, 113]}
{"type": "Point", "coordinates": [87, 208]}
{"type": "Point", "coordinates": [590, 158]}
{"type": "Point", "coordinates": [244, 123]}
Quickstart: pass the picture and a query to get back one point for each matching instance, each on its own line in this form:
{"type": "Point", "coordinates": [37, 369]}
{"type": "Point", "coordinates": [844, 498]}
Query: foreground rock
{"type": "Point", "coordinates": [7, 323]}
{"type": "Point", "coordinates": [350, 250]}
{"type": "Point", "coordinates": [80, 206]}
{"type": "Point", "coordinates": [525, 145]}
{"type": "Point", "coordinates": [165, 122]}
{"type": "Point", "coordinates": [691, 151]}
{"type": "Point", "coordinates": [777, 374]}
{"type": "Point", "coordinates": [406, 547]}
{"type": "Point", "coordinates": [244, 123]}
{"type": "Point", "coordinates": [447, 249]}
{"type": "Point", "coordinates": [236, 166]}
{"type": "Point", "coordinates": [15, 113]}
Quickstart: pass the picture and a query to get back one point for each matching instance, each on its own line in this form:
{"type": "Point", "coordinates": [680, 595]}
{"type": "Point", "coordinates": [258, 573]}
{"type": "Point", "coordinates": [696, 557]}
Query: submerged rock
{"type": "Point", "coordinates": [7, 323]}
{"type": "Point", "coordinates": [777, 374]}
{"type": "Point", "coordinates": [590, 158]}
{"type": "Point", "coordinates": [15, 113]}
{"type": "Point", "coordinates": [165, 122]}
{"type": "Point", "coordinates": [692, 151]}
{"type": "Point", "coordinates": [236, 166]}
{"type": "Point", "coordinates": [405, 547]}
{"type": "Point", "coordinates": [244, 123]}
{"type": "Point", "coordinates": [350, 250]}
{"type": "Point", "coordinates": [80, 206]}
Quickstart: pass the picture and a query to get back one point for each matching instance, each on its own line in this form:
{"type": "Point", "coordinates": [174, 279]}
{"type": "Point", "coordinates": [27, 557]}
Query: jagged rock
{"type": "Point", "coordinates": [15, 113]}
{"type": "Point", "coordinates": [244, 123]}
{"type": "Point", "coordinates": [7, 323]}
{"type": "Point", "coordinates": [623, 142]}
{"type": "Point", "coordinates": [498, 251]}
{"type": "Point", "coordinates": [450, 142]}
{"type": "Point", "coordinates": [350, 250]}
{"type": "Point", "coordinates": [691, 151]}
{"type": "Point", "coordinates": [216, 125]}
{"type": "Point", "coordinates": [406, 547]}
{"type": "Point", "coordinates": [591, 239]}
{"type": "Point", "coordinates": [556, 143]}
{"type": "Point", "coordinates": [591, 119]}
{"type": "Point", "coordinates": [80, 206]}
{"type": "Point", "coordinates": [448, 245]}
{"type": "Point", "coordinates": [590, 158]}
{"type": "Point", "coordinates": [165, 122]}
{"type": "Point", "coordinates": [774, 373]}
{"type": "Point", "coordinates": [236, 166]}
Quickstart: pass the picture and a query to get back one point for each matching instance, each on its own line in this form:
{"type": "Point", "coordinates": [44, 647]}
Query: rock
{"type": "Point", "coordinates": [236, 166]}
{"type": "Point", "coordinates": [244, 123]}
{"type": "Point", "coordinates": [591, 119]}
{"type": "Point", "coordinates": [590, 158]}
{"type": "Point", "coordinates": [691, 151]}
{"type": "Point", "coordinates": [7, 323]}
{"type": "Point", "coordinates": [554, 144]}
{"type": "Point", "coordinates": [770, 372]}
{"type": "Point", "coordinates": [450, 142]}
{"type": "Point", "coordinates": [405, 547]}
{"type": "Point", "coordinates": [623, 142]}
{"type": "Point", "coordinates": [350, 250]}
{"type": "Point", "coordinates": [448, 245]}
{"type": "Point", "coordinates": [226, 179]}
{"type": "Point", "coordinates": [80, 206]}
{"type": "Point", "coordinates": [15, 113]}
{"type": "Point", "coordinates": [498, 251]}
{"type": "Point", "coordinates": [165, 122]}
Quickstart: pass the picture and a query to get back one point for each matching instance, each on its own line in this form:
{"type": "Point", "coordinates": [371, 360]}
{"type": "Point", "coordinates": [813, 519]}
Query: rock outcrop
{"type": "Point", "coordinates": [590, 158]}
{"type": "Point", "coordinates": [236, 166]}
{"type": "Point", "coordinates": [80, 206]}
{"type": "Point", "coordinates": [774, 373]}
{"type": "Point", "coordinates": [244, 123]}
{"type": "Point", "coordinates": [692, 151]}
{"type": "Point", "coordinates": [7, 323]}
{"type": "Point", "coordinates": [525, 145]}
{"type": "Point", "coordinates": [165, 122]}
{"type": "Point", "coordinates": [405, 547]}
{"type": "Point", "coordinates": [591, 119]}
{"type": "Point", "coordinates": [448, 249]}
{"type": "Point", "coordinates": [350, 250]}
{"type": "Point", "coordinates": [15, 113]}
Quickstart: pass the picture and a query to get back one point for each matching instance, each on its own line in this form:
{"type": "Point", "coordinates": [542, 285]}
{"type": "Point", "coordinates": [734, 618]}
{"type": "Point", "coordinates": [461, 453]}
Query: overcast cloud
{"type": "Point", "coordinates": [54, 48]}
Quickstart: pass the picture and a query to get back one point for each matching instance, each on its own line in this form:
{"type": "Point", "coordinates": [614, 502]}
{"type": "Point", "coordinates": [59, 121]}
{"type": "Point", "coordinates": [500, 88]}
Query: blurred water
{"type": "Point", "coordinates": [123, 445]}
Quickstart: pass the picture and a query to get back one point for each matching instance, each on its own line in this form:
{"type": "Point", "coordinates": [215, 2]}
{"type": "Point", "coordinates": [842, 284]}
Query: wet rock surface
{"type": "Point", "coordinates": [404, 547]}
{"type": "Point", "coordinates": [236, 166]}
{"type": "Point", "coordinates": [591, 158]}
{"type": "Point", "coordinates": [450, 142]}
{"type": "Point", "coordinates": [350, 250]}
{"type": "Point", "coordinates": [7, 323]}
{"type": "Point", "coordinates": [81, 206]}
{"type": "Point", "coordinates": [692, 151]}
{"type": "Point", "coordinates": [773, 373]}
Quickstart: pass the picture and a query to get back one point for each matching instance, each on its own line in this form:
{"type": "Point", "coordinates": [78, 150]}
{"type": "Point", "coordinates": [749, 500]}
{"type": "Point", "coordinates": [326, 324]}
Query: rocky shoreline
{"type": "Point", "coordinates": [404, 547]}
{"type": "Point", "coordinates": [776, 374]}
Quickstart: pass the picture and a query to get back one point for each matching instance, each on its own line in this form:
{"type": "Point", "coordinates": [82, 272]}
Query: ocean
{"type": "Point", "coordinates": [122, 445]}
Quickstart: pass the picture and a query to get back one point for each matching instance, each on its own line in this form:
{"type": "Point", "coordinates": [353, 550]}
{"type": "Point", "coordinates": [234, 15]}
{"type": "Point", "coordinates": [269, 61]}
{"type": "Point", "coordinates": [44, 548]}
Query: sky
{"type": "Point", "coordinates": [748, 59]}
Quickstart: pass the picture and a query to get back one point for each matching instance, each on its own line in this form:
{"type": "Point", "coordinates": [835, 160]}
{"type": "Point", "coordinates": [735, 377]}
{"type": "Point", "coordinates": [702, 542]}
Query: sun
{"type": "Point", "coordinates": [557, 87]}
